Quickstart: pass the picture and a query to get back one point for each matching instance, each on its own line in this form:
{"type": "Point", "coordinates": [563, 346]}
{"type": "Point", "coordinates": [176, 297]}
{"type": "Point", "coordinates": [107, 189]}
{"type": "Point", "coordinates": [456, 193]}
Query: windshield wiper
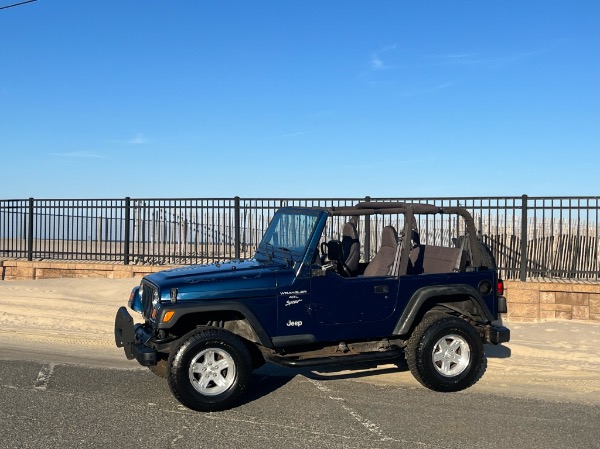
{"type": "Point", "coordinates": [269, 251]}
{"type": "Point", "coordinates": [263, 248]}
{"type": "Point", "coordinates": [291, 261]}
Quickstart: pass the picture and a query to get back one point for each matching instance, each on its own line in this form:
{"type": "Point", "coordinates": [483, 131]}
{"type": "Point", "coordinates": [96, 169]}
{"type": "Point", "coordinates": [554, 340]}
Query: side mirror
{"type": "Point", "coordinates": [334, 250]}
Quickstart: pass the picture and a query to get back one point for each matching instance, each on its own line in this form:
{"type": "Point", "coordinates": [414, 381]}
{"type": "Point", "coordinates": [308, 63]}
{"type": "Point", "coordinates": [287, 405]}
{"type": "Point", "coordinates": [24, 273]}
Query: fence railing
{"type": "Point", "coordinates": [530, 237]}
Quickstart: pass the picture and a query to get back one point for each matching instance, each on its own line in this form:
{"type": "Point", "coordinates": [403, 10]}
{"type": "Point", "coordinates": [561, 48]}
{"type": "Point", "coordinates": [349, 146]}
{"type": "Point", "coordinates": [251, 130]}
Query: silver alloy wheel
{"type": "Point", "coordinates": [451, 355]}
{"type": "Point", "coordinates": [212, 371]}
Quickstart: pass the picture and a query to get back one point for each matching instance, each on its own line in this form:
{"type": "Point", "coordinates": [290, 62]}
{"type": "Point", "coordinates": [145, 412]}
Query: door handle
{"type": "Point", "coordinates": [382, 289]}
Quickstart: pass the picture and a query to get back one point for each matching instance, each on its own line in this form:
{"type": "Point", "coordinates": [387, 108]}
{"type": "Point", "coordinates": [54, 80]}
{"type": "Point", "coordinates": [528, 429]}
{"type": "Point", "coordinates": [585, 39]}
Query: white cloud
{"type": "Point", "coordinates": [376, 62]}
{"type": "Point", "coordinates": [491, 61]}
{"type": "Point", "coordinates": [457, 56]}
{"type": "Point", "coordinates": [138, 139]}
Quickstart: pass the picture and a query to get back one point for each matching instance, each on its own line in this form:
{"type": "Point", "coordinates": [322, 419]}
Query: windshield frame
{"type": "Point", "coordinates": [269, 251]}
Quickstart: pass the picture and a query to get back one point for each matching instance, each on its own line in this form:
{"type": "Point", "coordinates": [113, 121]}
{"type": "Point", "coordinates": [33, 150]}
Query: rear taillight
{"type": "Point", "coordinates": [500, 287]}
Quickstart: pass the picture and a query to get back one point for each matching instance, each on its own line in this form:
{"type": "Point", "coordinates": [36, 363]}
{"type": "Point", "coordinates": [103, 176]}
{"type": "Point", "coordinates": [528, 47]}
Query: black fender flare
{"type": "Point", "coordinates": [181, 310]}
{"type": "Point", "coordinates": [421, 296]}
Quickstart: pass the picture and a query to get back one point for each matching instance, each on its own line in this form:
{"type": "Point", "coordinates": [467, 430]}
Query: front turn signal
{"type": "Point", "coordinates": [168, 316]}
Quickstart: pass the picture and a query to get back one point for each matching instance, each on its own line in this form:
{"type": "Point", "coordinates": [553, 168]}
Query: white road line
{"type": "Point", "coordinates": [44, 377]}
{"type": "Point", "coordinates": [366, 423]}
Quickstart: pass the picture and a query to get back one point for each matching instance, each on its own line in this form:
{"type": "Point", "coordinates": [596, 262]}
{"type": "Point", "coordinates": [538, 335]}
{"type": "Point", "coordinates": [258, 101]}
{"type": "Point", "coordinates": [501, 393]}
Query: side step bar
{"type": "Point", "coordinates": [335, 360]}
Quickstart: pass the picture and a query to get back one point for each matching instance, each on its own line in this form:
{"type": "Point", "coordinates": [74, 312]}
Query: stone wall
{"type": "Point", "coordinates": [527, 301]}
{"type": "Point", "coordinates": [539, 301]}
{"type": "Point", "coordinates": [11, 270]}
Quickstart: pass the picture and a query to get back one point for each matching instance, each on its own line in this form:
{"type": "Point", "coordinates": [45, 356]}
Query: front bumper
{"type": "Point", "coordinates": [133, 338]}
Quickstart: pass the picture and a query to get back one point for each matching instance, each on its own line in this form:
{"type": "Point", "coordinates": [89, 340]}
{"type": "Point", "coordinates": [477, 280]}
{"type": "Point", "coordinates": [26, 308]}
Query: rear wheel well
{"type": "Point", "coordinates": [462, 306]}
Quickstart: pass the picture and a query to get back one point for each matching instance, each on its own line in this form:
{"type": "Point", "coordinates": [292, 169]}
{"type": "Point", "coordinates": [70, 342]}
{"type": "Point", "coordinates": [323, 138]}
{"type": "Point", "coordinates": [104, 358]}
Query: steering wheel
{"type": "Point", "coordinates": [324, 258]}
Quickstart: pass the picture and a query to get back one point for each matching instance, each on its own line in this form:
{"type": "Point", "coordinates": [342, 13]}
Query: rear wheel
{"type": "Point", "coordinates": [445, 353]}
{"type": "Point", "coordinates": [209, 370]}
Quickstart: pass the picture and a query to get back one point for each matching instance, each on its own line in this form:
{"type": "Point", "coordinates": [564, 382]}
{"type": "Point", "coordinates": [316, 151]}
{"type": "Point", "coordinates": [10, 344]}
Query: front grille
{"type": "Point", "coordinates": [147, 295]}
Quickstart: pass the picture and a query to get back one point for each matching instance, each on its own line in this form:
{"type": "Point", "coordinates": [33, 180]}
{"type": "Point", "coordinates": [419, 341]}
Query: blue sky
{"type": "Point", "coordinates": [107, 99]}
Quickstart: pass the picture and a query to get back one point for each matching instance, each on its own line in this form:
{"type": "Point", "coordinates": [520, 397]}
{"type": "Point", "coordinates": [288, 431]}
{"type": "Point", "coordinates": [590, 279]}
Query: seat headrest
{"type": "Point", "coordinates": [389, 237]}
{"type": "Point", "coordinates": [350, 230]}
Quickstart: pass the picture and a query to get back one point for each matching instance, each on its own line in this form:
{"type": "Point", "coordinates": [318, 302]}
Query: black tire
{"type": "Point", "coordinates": [445, 353]}
{"type": "Point", "coordinates": [161, 368]}
{"type": "Point", "coordinates": [209, 370]}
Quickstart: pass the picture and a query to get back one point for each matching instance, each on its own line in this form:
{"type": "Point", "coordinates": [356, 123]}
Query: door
{"type": "Point", "coordinates": [339, 300]}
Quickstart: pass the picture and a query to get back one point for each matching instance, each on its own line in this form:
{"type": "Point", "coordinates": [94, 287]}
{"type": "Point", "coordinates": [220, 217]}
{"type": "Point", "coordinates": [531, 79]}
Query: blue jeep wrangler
{"type": "Point", "coordinates": [313, 296]}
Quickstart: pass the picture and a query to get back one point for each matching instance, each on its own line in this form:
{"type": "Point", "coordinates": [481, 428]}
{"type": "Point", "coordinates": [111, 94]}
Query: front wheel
{"type": "Point", "coordinates": [445, 353]}
{"type": "Point", "coordinates": [209, 370]}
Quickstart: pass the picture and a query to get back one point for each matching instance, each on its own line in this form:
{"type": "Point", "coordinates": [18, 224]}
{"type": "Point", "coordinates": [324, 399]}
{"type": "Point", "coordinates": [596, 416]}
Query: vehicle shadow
{"type": "Point", "coordinates": [497, 351]}
{"type": "Point", "coordinates": [270, 377]}
{"type": "Point", "coordinates": [355, 371]}
{"type": "Point", "coordinates": [266, 380]}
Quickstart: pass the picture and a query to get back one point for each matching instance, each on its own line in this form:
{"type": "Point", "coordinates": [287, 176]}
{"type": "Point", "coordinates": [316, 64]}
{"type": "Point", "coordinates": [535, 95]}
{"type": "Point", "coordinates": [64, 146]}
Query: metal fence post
{"type": "Point", "coordinates": [237, 227]}
{"type": "Point", "coordinates": [367, 245]}
{"type": "Point", "coordinates": [127, 230]}
{"type": "Point", "coordinates": [523, 273]}
{"type": "Point", "coordinates": [30, 231]}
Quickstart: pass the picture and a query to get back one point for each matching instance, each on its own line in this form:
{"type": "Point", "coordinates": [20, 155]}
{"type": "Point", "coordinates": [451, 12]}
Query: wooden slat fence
{"type": "Point", "coordinates": [562, 237]}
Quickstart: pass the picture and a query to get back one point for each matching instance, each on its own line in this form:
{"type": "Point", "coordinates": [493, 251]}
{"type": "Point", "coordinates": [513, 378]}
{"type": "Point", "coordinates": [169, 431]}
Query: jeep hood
{"type": "Point", "coordinates": [227, 280]}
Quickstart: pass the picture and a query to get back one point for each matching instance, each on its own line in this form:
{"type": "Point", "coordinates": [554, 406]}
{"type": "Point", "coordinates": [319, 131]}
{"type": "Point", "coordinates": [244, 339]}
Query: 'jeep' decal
{"type": "Point", "coordinates": [291, 323]}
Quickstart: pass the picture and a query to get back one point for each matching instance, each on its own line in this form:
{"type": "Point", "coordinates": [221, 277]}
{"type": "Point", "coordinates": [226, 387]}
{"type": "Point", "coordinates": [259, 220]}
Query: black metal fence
{"type": "Point", "coordinates": [531, 237]}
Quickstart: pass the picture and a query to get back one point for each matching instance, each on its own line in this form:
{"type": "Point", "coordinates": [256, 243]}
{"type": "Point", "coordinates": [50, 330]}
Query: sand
{"type": "Point", "coordinates": [72, 321]}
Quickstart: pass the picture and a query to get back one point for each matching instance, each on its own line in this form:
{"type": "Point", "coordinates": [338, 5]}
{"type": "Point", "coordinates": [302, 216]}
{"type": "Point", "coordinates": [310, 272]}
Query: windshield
{"type": "Point", "coordinates": [288, 235]}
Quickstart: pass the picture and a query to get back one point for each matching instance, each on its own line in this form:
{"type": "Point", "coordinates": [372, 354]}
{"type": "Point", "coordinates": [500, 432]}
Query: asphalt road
{"type": "Point", "coordinates": [47, 405]}
{"type": "Point", "coordinates": [64, 384]}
